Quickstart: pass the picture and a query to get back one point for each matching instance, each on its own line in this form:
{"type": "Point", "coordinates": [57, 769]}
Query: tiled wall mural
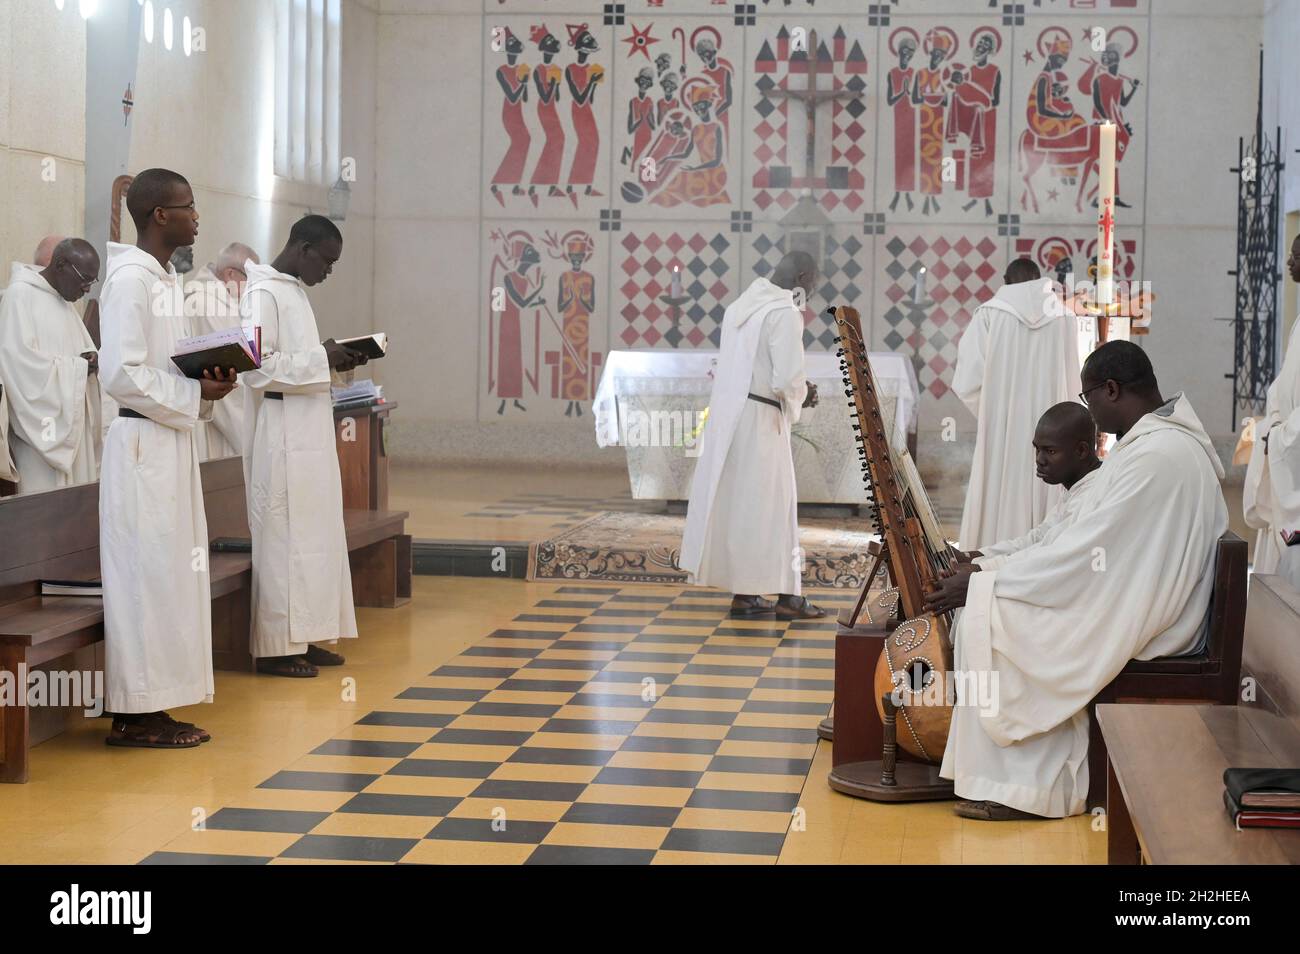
{"type": "Point", "coordinates": [644, 160]}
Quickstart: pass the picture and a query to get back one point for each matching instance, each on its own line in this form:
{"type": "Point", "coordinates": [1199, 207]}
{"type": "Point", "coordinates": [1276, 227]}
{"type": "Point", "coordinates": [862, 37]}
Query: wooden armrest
{"type": "Point", "coordinates": [364, 527]}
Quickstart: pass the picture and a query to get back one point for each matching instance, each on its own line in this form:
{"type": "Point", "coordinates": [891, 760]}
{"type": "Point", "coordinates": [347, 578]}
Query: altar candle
{"type": "Point", "coordinates": [918, 289]}
{"type": "Point", "coordinates": [676, 289]}
{"type": "Point", "coordinates": [1106, 216]}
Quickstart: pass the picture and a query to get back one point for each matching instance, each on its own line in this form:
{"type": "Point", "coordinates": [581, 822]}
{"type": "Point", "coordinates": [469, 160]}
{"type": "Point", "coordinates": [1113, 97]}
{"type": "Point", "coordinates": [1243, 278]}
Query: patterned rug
{"type": "Point", "coordinates": [643, 548]}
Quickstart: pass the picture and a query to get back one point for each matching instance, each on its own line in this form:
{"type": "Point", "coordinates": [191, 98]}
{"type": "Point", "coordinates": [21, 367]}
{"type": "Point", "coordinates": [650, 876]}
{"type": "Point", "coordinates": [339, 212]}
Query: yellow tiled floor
{"type": "Point", "coordinates": [88, 803]}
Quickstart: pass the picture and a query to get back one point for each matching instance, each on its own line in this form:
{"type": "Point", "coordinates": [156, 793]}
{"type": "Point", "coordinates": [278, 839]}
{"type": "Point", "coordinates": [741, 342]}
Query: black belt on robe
{"type": "Point", "coordinates": [127, 412]}
{"type": "Point", "coordinates": [765, 400]}
{"type": "Point", "coordinates": [273, 395]}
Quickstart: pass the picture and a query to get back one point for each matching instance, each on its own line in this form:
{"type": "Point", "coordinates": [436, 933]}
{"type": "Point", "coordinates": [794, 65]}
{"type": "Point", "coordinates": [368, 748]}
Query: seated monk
{"type": "Point", "coordinates": [1065, 455]}
{"type": "Point", "coordinates": [1129, 578]}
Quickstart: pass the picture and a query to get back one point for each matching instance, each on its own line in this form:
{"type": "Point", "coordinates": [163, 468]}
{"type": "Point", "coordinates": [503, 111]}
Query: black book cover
{"type": "Point", "coordinates": [226, 356]}
{"type": "Point", "coordinates": [231, 545]}
{"type": "Point", "coordinates": [1240, 781]}
{"type": "Point", "coordinates": [366, 344]}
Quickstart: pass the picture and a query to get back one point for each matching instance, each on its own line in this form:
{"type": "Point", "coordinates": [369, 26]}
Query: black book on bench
{"type": "Point", "coordinates": [1264, 787]}
{"type": "Point", "coordinates": [231, 545]}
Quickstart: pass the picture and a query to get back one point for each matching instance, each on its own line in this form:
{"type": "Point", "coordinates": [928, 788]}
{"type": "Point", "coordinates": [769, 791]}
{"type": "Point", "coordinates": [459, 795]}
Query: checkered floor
{"type": "Point", "coordinates": [629, 725]}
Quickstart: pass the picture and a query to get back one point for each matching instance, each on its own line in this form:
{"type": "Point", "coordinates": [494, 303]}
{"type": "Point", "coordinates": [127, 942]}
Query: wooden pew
{"type": "Point", "coordinates": [56, 536]}
{"type": "Point", "coordinates": [1212, 676]}
{"type": "Point", "coordinates": [1164, 783]}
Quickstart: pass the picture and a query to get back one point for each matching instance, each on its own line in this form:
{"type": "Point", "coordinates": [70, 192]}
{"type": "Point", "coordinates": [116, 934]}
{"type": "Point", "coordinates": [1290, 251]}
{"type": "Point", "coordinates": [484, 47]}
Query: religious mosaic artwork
{"type": "Point", "coordinates": [1074, 77]}
{"type": "Point", "coordinates": [944, 132]}
{"type": "Point", "coordinates": [923, 314]}
{"type": "Point", "coordinates": [546, 153]}
{"type": "Point", "coordinates": [675, 99]}
{"type": "Point", "coordinates": [673, 287]}
{"type": "Point", "coordinates": [543, 311]}
{"type": "Point", "coordinates": [1060, 256]}
{"type": "Point", "coordinates": [809, 122]}
{"type": "Point", "coordinates": [693, 143]}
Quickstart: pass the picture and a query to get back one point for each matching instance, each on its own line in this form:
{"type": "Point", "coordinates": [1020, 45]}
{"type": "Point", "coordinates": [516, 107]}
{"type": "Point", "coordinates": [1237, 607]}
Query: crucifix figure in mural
{"type": "Point", "coordinates": [813, 96]}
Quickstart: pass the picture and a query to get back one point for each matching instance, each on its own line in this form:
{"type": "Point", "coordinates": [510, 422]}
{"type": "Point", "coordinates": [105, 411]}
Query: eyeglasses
{"type": "Point", "coordinates": [1083, 395]}
{"type": "Point", "coordinates": [85, 282]}
{"type": "Point", "coordinates": [187, 205]}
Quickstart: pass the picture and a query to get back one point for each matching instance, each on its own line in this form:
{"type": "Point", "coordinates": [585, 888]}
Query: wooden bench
{"type": "Point", "coordinates": [1164, 781]}
{"type": "Point", "coordinates": [1212, 676]}
{"type": "Point", "coordinates": [59, 531]}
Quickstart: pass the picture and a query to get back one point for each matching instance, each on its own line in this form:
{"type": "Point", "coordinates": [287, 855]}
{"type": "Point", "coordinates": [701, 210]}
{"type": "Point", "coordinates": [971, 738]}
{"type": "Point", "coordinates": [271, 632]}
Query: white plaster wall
{"type": "Point", "coordinates": [1203, 89]}
{"type": "Point", "coordinates": [427, 216]}
{"type": "Point", "coordinates": [208, 117]}
{"type": "Point", "coordinates": [42, 109]}
{"type": "Point", "coordinates": [1282, 108]}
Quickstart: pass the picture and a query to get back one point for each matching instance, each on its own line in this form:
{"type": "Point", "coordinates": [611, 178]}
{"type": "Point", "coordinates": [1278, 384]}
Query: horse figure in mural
{"type": "Point", "coordinates": [1078, 149]}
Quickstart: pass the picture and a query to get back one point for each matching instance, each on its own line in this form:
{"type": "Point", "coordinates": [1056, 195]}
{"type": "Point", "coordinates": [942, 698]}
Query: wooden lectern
{"type": "Point", "coordinates": [363, 456]}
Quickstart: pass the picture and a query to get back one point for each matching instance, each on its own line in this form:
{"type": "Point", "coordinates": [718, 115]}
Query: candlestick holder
{"type": "Point", "coordinates": [1104, 313]}
{"type": "Point", "coordinates": [674, 303]}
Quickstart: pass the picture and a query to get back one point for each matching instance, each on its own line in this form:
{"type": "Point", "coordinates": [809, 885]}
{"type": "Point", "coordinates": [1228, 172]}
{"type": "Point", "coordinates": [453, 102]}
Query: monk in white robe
{"type": "Point", "coordinates": [1065, 454]}
{"type": "Point", "coordinates": [8, 469]}
{"type": "Point", "coordinates": [1129, 578]}
{"type": "Point", "coordinates": [49, 362]}
{"type": "Point", "coordinates": [153, 534]}
{"type": "Point", "coordinates": [302, 583]}
{"type": "Point", "coordinates": [1016, 358]}
{"type": "Point", "coordinates": [1271, 496]}
{"type": "Point", "coordinates": [212, 304]}
{"type": "Point", "coordinates": [41, 257]}
{"type": "Point", "coordinates": [742, 529]}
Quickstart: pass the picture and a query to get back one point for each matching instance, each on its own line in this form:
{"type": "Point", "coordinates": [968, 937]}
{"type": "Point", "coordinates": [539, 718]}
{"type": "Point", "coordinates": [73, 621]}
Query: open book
{"type": "Point", "coordinates": [372, 346]}
{"type": "Point", "coordinates": [72, 588]}
{"type": "Point", "coordinates": [229, 348]}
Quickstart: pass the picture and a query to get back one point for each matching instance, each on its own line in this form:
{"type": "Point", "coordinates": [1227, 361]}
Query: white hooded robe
{"type": "Point", "coordinates": [53, 399]}
{"type": "Point", "coordinates": [1057, 519]}
{"type": "Point", "coordinates": [1271, 496]}
{"type": "Point", "coordinates": [302, 583]}
{"type": "Point", "coordinates": [153, 534]}
{"type": "Point", "coordinates": [1129, 578]}
{"type": "Point", "coordinates": [1018, 356]}
{"type": "Point", "coordinates": [210, 307]}
{"type": "Point", "coordinates": [8, 470]}
{"type": "Point", "coordinates": [742, 529]}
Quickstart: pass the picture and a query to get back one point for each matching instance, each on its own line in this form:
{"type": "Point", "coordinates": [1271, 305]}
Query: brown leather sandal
{"type": "Point", "coordinates": [320, 656]}
{"type": "Point", "coordinates": [798, 607]}
{"type": "Point", "coordinates": [748, 607]}
{"type": "Point", "coordinates": [292, 667]}
{"type": "Point", "coordinates": [991, 811]}
{"type": "Point", "coordinates": [151, 732]}
{"type": "Point", "coordinates": [203, 734]}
